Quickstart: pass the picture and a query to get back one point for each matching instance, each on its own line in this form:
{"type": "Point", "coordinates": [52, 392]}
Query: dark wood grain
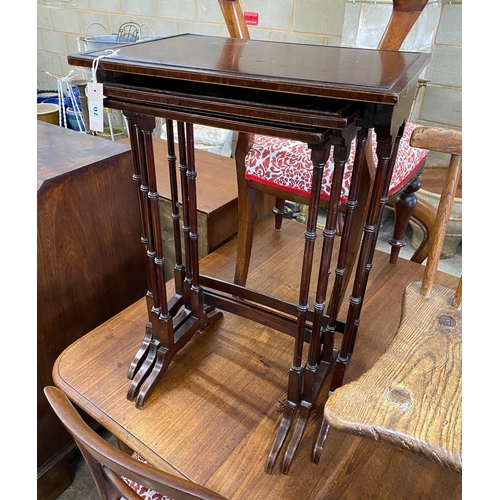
{"type": "Point", "coordinates": [90, 263]}
{"type": "Point", "coordinates": [315, 70]}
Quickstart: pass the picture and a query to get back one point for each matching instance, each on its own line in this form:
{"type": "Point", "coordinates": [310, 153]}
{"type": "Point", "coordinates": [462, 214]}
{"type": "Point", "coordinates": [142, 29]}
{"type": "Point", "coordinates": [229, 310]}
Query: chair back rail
{"type": "Point", "coordinates": [234, 18]}
{"type": "Point", "coordinates": [108, 465]}
{"type": "Point", "coordinates": [405, 14]}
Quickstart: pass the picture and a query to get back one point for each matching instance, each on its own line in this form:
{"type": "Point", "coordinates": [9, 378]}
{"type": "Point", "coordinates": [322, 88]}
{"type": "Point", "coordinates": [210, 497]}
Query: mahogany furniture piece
{"type": "Point", "coordinates": [90, 264]}
{"type": "Point", "coordinates": [280, 167]}
{"type": "Point", "coordinates": [323, 96]}
{"type": "Point", "coordinates": [213, 415]}
{"type": "Point", "coordinates": [412, 397]}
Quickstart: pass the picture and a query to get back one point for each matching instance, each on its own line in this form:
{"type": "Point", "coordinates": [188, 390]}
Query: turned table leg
{"type": "Point", "coordinates": [170, 326]}
{"type": "Point", "coordinates": [319, 156]}
{"type": "Point", "coordinates": [378, 200]}
{"type": "Point", "coordinates": [328, 353]}
{"type": "Point", "coordinates": [315, 372]}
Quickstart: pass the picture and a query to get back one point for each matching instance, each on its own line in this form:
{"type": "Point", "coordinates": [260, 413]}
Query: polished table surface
{"type": "Point", "coordinates": [321, 95]}
{"type": "Point", "coordinates": [215, 411]}
{"type": "Point", "coordinates": [270, 65]}
{"type": "Point", "coordinates": [258, 86]}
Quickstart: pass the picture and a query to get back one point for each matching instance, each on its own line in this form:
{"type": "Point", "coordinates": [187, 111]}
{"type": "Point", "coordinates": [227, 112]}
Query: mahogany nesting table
{"type": "Point", "coordinates": [323, 96]}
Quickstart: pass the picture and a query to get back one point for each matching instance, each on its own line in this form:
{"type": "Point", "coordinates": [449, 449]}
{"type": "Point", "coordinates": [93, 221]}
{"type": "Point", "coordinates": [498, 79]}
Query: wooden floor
{"type": "Point", "coordinates": [225, 449]}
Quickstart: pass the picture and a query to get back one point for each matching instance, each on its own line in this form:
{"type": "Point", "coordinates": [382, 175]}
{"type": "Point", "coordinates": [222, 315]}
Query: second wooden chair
{"type": "Point", "coordinates": [116, 474]}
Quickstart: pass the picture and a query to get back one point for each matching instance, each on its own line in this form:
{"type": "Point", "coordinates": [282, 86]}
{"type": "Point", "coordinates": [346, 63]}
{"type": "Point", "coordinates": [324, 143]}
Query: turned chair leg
{"type": "Point", "coordinates": [302, 216]}
{"type": "Point", "coordinates": [279, 210]}
{"type": "Point", "coordinates": [246, 223]}
{"type": "Point", "coordinates": [403, 210]}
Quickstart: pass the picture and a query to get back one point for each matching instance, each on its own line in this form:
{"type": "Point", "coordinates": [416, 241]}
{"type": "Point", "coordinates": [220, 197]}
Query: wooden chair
{"type": "Point", "coordinates": [412, 397]}
{"type": "Point", "coordinates": [258, 158]}
{"type": "Point", "coordinates": [115, 473]}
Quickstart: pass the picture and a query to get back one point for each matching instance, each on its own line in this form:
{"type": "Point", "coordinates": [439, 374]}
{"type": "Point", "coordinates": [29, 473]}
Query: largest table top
{"type": "Point", "coordinates": [260, 80]}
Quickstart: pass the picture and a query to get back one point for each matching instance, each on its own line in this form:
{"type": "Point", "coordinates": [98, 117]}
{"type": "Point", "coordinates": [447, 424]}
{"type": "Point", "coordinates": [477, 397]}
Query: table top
{"type": "Point", "coordinates": [295, 91]}
{"type": "Point", "coordinates": [213, 415]}
{"type": "Point", "coordinates": [314, 70]}
{"type": "Point", "coordinates": [61, 150]}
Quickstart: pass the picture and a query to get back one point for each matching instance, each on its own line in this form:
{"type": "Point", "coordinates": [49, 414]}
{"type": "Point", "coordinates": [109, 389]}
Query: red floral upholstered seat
{"type": "Point", "coordinates": [286, 164]}
{"type": "Point", "coordinates": [143, 491]}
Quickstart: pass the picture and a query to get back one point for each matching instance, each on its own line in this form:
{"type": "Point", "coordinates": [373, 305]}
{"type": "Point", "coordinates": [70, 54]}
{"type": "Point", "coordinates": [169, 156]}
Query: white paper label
{"type": "Point", "coordinates": [95, 99]}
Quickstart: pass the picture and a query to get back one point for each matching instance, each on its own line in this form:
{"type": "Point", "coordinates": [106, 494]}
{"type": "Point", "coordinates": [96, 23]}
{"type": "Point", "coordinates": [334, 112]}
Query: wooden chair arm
{"type": "Point", "coordinates": [424, 215]}
{"type": "Point", "coordinates": [437, 139]}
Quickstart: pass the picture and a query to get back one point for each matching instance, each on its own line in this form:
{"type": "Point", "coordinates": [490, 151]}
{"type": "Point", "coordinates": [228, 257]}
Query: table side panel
{"type": "Point", "coordinates": [90, 261]}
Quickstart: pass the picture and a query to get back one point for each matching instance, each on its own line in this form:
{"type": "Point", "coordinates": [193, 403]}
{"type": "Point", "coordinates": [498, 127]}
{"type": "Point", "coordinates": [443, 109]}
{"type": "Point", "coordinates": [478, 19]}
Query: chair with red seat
{"type": "Point", "coordinates": [283, 169]}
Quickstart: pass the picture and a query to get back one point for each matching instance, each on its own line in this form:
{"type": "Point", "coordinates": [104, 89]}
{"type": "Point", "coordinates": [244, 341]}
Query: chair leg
{"type": "Point", "coordinates": [279, 210]}
{"type": "Point", "coordinates": [302, 216]}
{"type": "Point", "coordinates": [246, 223]}
{"type": "Point", "coordinates": [403, 210]}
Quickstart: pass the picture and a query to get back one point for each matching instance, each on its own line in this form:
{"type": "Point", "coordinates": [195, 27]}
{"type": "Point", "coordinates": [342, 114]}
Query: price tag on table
{"type": "Point", "coordinates": [95, 99]}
